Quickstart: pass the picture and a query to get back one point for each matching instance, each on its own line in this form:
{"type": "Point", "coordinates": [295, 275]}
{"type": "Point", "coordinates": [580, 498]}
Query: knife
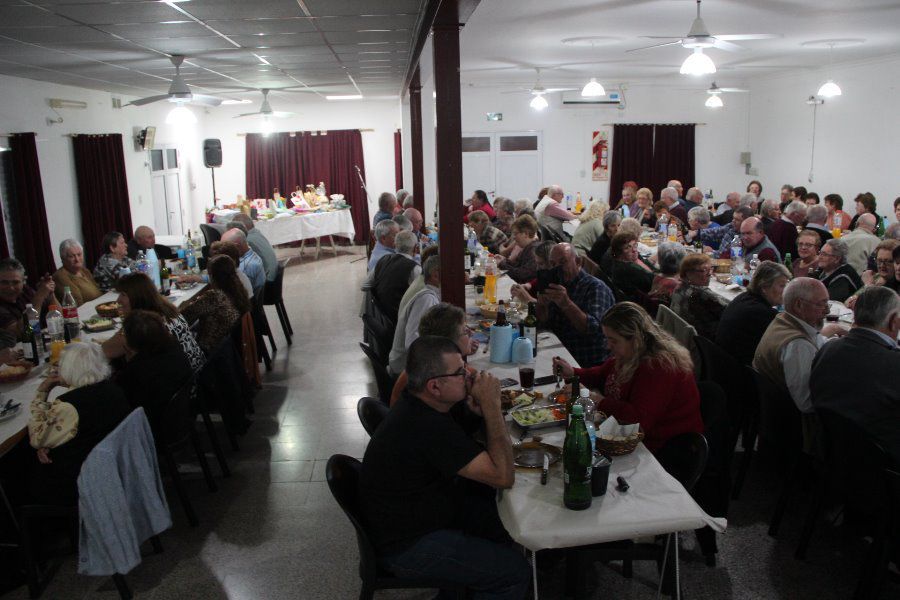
{"type": "Point", "coordinates": [545, 470]}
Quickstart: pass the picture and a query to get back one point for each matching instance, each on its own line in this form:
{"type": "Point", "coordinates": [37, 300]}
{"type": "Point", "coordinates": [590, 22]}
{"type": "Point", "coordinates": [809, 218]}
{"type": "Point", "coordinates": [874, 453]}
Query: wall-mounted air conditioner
{"type": "Point", "coordinates": [576, 99]}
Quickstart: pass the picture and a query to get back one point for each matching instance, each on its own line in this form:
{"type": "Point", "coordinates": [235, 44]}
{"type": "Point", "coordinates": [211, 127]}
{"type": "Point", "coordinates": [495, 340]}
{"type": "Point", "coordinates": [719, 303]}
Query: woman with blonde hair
{"type": "Point", "coordinates": [590, 227]}
{"type": "Point", "coordinates": [644, 211]}
{"type": "Point", "coordinates": [648, 378]}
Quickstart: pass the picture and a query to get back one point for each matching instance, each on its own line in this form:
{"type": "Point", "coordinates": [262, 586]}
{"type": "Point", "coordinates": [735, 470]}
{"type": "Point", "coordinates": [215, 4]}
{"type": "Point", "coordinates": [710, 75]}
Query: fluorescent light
{"type": "Point", "coordinates": [345, 97]}
{"type": "Point", "coordinates": [829, 89]}
{"type": "Point", "coordinates": [698, 63]}
{"type": "Point", "coordinates": [714, 101]}
{"type": "Point", "coordinates": [228, 102]}
{"type": "Point", "coordinates": [180, 115]}
{"type": "Point", "coordinates": [593, 89]}
{"type": "Point", "coordinates": [539, 102]}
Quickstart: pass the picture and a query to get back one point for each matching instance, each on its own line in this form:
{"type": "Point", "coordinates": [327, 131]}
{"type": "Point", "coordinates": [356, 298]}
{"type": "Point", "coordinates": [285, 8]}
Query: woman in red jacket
{"type": "Point", "coordinates": [648, 380]}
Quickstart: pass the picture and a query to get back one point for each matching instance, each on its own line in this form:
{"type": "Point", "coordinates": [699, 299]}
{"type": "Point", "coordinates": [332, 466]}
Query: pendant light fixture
{"type": "Point", "coordinates": [593, 89]}
{"type": "Point", "coordinates": [714, 101]}
{"type": "Point", "coordinates": [698, 63]}
{"type": "Point", "coordinates": [180, 115]}
{"type": "Point", "coordinates": [539, 102]}
{"type": "Point", "coordinates": [830, 89]}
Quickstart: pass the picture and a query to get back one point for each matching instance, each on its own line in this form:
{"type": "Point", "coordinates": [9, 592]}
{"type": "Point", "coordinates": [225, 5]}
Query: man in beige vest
{"type": "Point", "coordinates": [786, 351]}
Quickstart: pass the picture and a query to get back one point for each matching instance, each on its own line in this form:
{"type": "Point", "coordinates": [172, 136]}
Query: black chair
{"type": "Point", "coordinates": [383, 379]}
{"type": "Point", "coordinates": [261, 328]}
{"type": "Point", "coordinates": [853, 472]}
{"type": "Point", "coordinates": [684, 457]}
{"type": "Point", "coordinates": [273, 296]}
{"type": "Point", "coordinates": [371, 413]}
{"type": "Point", "coordinates": [876, 565]}
{"type": "Point", "coordinates": [712, 492]}
{"type": "Point", "coordinates": [378, 328]}
{"type": "Point", "coordinates": [210, 233]}
{"type": "Point", "coordinates": [342, 474]}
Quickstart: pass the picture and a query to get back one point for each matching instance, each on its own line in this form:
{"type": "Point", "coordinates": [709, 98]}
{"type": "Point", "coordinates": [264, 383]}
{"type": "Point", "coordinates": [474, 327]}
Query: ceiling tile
{"type": "Point", "coordinates": [283, 39]}
{"type": "Point", "coordinates": [158, 30]}
{"type": "Point", "coordinates": [246, 9]}
{"type": "Point", "coordinates": [256, 26]}
{"type": "Point", "coordinates": [30, 16]}
{"type": "Point", "coordinates": [112, 13]}
{"type": "Point", "coordinates": [188, 45]}
{"type": "Point", "coordinates": [322, 8]}
{"type": "Point", "coordinates": [40, 35]}
{"type": "Point", "coordinates": [368, 38]}
{"type": "Point", "coordinates": [393, 22]}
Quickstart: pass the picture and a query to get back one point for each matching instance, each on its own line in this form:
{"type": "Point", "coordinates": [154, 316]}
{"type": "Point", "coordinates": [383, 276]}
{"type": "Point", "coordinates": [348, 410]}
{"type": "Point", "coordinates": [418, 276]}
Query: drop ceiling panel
{"type": "Point", "coordinates": [113, 13]}
{"type": "Point", "coordinates": [41, 35]}
{"type": "Point", "coordinates": [245, 9]}
{"type": "Point", "coordinates": [393, 22]}
{"type": "Point", "coordinates": [356, 37]}
{"type": "Point", "coordinates": [30, 16]}
{"type": "Point", "coordinates": [322, 8]}
{"type": "Point", "coordinates": [158, 30]}
{"type": "Point", "coordinates": [256, 26]}
{"type": "Point", "coordinates": [188, 46]}
{"type": "Point", "coordinates": [280, 40]}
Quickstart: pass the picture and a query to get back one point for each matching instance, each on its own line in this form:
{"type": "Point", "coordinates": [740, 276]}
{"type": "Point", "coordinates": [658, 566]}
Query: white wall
{"type": "Point", "coordinates": [311, 114]}
{"type": "Point", "coordinates": [857, 145]}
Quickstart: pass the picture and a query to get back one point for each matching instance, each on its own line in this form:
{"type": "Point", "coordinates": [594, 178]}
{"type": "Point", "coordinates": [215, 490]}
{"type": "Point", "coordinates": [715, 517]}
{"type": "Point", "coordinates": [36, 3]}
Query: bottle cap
{"type": "Point", "coordinates": [585, 393]}
{"type": "Point", "coordinates": [578, 410]}
{"type": "Point", "coordinates": [53, 306]}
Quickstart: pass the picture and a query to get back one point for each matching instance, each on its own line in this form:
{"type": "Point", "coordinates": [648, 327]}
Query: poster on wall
{"type": "Point", "coordinates": [600, 155]}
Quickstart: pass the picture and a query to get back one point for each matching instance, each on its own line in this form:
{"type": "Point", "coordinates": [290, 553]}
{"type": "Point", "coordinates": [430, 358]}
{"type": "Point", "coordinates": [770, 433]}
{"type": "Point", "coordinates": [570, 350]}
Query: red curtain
{"type": "Point", "coordinates": [398, 161]}
{"type": "Point", "coordinates": [632, 159]}
{"type": "Point", "coordinates": [28, 207]}
{"type": "Point", "coordinates": [102, 190]}
{"type": "Point", "coordinates": [286, 160]}
{"type": "Point", "coordinates": [673, 156]}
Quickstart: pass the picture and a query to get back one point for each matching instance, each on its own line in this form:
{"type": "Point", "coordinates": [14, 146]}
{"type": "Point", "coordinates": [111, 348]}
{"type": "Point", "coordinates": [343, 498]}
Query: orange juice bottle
{"type": "Point", "coordinates": [490, 281]}
{"type": "Point", "coordinates": [836, 226]}
{"type": "Point", "coordinates": [578, 205]}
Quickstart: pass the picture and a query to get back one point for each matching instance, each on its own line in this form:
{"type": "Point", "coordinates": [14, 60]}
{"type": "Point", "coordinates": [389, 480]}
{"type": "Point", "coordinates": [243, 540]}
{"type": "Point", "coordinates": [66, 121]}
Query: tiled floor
{"type": "Point", "coordinates": [273, 530]}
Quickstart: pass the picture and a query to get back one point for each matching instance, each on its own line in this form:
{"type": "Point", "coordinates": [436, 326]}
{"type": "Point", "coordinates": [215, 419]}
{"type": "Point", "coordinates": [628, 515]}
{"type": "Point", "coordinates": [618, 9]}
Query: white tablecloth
{"type": "Point", "coordinates": [282, 230]}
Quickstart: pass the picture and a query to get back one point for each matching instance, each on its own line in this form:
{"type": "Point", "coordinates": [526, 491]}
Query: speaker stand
{"type": "Point", "coordinates": [212, 172]}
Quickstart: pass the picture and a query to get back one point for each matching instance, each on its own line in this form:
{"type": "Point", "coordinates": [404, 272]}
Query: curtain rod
{"type": "Point", "coordinates": [316, 132]}
{"type": "Point", "coordinates": [75, 135]}
{"type": "Point", "coordinates": [611, 124]}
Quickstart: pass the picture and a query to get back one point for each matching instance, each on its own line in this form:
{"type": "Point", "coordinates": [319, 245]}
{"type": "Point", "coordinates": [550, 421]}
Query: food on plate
{"type": "Point", "coordinates": [514, 398]}
{"type": "Point", "coordinates": [109, 309]}
{"type": "Point", "coordinates": [99, 323]}
{"type": "Point", "coordinates": [14, 370]}
{"type": "Point", "coordinates": [533, 417]}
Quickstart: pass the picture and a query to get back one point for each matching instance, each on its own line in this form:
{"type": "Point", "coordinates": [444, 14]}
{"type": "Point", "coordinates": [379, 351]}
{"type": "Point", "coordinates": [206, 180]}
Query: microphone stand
{"type": "Point", "coordinates": [362, 182]}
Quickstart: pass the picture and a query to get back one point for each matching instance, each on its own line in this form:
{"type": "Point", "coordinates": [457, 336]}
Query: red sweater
{"type": "Point", "coordinates": [665, 403]}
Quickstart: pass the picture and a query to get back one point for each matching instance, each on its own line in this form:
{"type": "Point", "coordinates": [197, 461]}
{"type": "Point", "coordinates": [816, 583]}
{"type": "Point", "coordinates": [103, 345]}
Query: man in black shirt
{"type": "Point", "coordinates": [144, 239]}
{"type": "Point", "coordinates": [420, 475]}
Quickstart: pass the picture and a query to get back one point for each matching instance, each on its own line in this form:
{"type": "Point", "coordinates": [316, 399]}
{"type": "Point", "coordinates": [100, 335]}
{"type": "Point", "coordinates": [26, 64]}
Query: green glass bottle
{"type": "Point", "coordinates": [788, 262]}
{"type": "Point", "coordinates": [577, 463]}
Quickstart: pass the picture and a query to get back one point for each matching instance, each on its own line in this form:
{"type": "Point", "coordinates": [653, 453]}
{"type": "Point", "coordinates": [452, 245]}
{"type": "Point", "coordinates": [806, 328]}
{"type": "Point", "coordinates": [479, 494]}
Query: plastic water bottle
{"type": "Point", "coordinates": [737, 260]}
{"type": "Point", "coordinates": [589, 410]}
{"type": "Point", "coordinates": [490, 280]}
{"type": "Point", "coordinates": [140, 264]}
{"type": "Point", "coordinates": [662, 225]}
{"type": "Point", "coordinates": [672, 231]}
{"type": "Point", "coordinates": [153, 271]}
{"type": "Point", "coordinates": [472, 243]}
{"type": "Point", "coordinates": [754, 263]}
{"type": "Point", "coordinates": [55, 324]}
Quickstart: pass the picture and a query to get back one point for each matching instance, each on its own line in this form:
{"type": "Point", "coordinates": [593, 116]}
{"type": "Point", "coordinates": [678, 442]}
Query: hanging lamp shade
{"type": "Point", "coordinates": [829, 89]}
{"type": "Point", "coordinates": [714, 101]}
{"type": "Point", "coordinates": [180, 115]}
{"type": "Point", "coordinates": [593, 89]}
{"type": "Point", "coordinates": [698, 63]}
{"type": "Point", "coordinates": [539, 102]}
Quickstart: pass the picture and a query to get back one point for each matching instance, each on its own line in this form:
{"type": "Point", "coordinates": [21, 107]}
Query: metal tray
{"type": "Point", "coordinates": [515, 413]}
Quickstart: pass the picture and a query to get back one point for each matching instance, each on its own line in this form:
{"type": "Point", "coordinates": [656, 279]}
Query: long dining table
{"type": "Point", "coordinates": [534, 515]}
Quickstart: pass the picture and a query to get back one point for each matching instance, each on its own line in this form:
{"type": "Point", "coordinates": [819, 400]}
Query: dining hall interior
{"type": "Point", "coordinates": [716, 178]}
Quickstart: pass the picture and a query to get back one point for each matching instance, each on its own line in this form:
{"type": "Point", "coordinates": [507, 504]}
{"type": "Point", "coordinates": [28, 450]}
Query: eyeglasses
{"type": "Point", "coordinates": [461, 372]}
{"type": "Point", "coordinates": [11, 282]}
{"type": "Point", "coordinates": [821, 304]}
{"type": "Point", "coordinates": [806, 245]}
{"type": "Point", "coordinates": [826, 254]}
{"type": "Point", "coordinates": [884, 261]}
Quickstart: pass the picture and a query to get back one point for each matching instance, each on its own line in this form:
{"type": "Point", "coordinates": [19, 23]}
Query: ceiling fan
{"type": "Point", "coordinates": [538, 90]}
{"type": "Point", "coordinates": [179, 91]}
{"type": "Point", "coordinates": [714, 89]}
{"type": "Point", "coordinates": [265, 109]}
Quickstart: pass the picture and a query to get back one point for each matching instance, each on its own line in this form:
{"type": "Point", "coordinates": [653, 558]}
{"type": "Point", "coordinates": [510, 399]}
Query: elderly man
{"type": "Point", "coordinates": [698, 221]}
{"type": "Point", "coordinates": [416, 220]}
{"type": "Point", "coordinates": [785, 352]}
{"type": "Point", "coordinates": [692, 199]}
{"type": "Point", "coordinates": [839, 278]}
{"type": "Point", "coordinates": [783, 232]}
{"type": "Point", "coordinates": [787, 194]}
{"type": "Point", "coordinates": [554, 214]}
{"type": "Point", "coordinates": [629, 190]}
{"type": "Point", "coordinates": [817, 221]}
{"type": "Point", "coordinates": [882, 275]}
{"type": "Point", "coordinates": [769, 211]}
{"type": "Point", "coordinates": [726, 209]}
{"type": "Point", "coordinates": [488, 235]}
{"type": "Point", "coordinates": [260, 245]}
{"type": "Point", "coordinates": [408, 319]}
{"type": "Point", "coordinates": [755, 242]}
{"type": "Point", "coordinates": [861, 242]}
{"type": "Point", "coordinates": [251, 264]}
{"type": "Point", "coordinates": [505, 209]}
{"type": "Point", "coordinates": [726, 233]}
{"type": "Point", "coordinates": [393, 275]}
{"type": "Point", "coordinates": [427, 488]}
{"type": "Point", "coordinates": [145, 239]}
{"type": "Point", "coordinates": [15, 295]}
{"type": "Point", "coordinates": [73, 275]}
{"type": "Point", "coordinates": [403, 221]}
{"type": "Point", "coordinates": [573, 308]}
{"type": "Point", "coordinates": [669, 195]}
{"type": "Point", "coordinates": [385, 232]}
{"type": "Point", "coordinates": [679, 190]}
{"type": "Point", "coordinates": [869, 352]}
{"type": "Point", "coordinates": [554, 196]}
{"type": "Point", "coordinates": [387, 208]}
{"type": "Point", "coordinates": [402, 197]}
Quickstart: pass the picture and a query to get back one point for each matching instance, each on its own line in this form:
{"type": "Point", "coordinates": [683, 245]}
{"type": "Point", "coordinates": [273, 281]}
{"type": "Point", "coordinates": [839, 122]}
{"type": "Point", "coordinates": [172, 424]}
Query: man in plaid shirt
{"type": "Point", "coordinates": [573, 310]}
{"type": "Point", "coordinates": [719, 239]}
{"type": "Point", "coordinates": [488, 235]}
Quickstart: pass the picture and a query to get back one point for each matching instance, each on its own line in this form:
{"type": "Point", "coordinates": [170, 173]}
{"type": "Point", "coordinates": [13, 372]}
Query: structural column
{"type": "Point", "coordinates": [448, 142]}
{"type": "Point", "coordinates": [415, 126]}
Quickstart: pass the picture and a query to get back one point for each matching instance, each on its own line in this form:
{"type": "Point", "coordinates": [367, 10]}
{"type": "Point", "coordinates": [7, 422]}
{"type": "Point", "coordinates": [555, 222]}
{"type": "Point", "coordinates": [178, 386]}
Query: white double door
{"type": "Point", "coordinates": [166, 191]}
{"type": "Point", "coordinates": [508, 163]}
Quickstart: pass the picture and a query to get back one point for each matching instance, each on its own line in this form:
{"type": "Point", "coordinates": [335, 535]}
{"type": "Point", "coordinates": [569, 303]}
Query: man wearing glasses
{"type": "Point", "coordinates": [15, 295]}
{"type": "Point", "coordinates": [428, 488]}
{"type": "Point", "coordinates": [755, 241]}
{"type": "Point", "coordinates": [787, 348]}
{"type": "Point", "coordinates": [840, 279]}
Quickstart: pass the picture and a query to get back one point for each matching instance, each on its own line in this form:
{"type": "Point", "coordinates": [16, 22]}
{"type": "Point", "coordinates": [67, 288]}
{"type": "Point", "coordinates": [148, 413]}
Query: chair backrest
{"type": "Point", "coordinates": [589, 266]}
{"type": "Point", "coordinates": [371, 413]}
{"type": "Point", "coordinates": [682, 331]}
{"type": "Point", "coordinates": [684, 457]}
{"type": "Point", "coordinates": [273, 289]}
{"type": "Point", "coordinates": [379, 328]}
{"type": "Point", "coordinates": [382, 378]}
{"type": "Point", "coordinates": [210, 233]}
{"type": "Point", "coordinates": [172, 426]}
{"type": "Point", "coordinates": [779, 417]}
{"type": "Point", "coordinates": [342, 474]}
{"type": "Point", "coordinates": [716, 424]}
{"type": "Point", "coordinates": [548, 235]}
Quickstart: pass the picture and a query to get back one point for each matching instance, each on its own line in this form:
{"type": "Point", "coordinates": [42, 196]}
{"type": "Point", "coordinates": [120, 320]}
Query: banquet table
{"type": "Point", "coordinates": [297, 227]}
{"type": "Point", "coordinates": [534, 515]}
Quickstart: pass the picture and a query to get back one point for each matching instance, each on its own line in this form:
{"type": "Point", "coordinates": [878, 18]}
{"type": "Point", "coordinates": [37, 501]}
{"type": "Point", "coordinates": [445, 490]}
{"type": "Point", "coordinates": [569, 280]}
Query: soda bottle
{"type": "Point", "coordinates": [490, 280]}
{"type": "Point", "coordinates": [836, 225]}
{"type": "Point", "coordinates": [577, 457]}
{"type": "Point", "coordinates": [72, 326]}
{"type": "Point", "coordinates": [574, 396]}
{"type": "Point", "coordinates": [165, 281]}
{"type": "Point", "coordinates": [501, 315]}
{"type": "Point", "coordinates": [662, 224]}
{"type": "Point", "coordinates": [579, 207]}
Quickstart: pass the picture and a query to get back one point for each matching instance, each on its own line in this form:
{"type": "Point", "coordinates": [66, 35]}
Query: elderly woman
{"type": "Point", "coordinates": [840, 278]}
{"type": "Point", "coordinates": [660, 208]}
{"type": "Point", "coordinates": [523, 267]}
{"type": "Point", "coordinates": [73, 275]}
{"type": "Point", "coordinates": [865, 203]}
{"type": "Point", "coordinates": [65, 430]}
{"type": "Point", "coordinates": [611, 221]}
{"type": "Point", "coordinates": [15, 296]}
{"type": "Point", "coordinates": [114, 263]}
{"type": "Point", "coordinates": [137, 292]}
{"type": "Point", "coordinates": [643, 208]}
{"type": "Point", "coordinates": [755, 188]}
{"type": "Point", "coordinates": [669, 256]}
{"type": "Point", "coordinates": [479, 201]}
{"type": "Point", "coordinates": [488, 235]}
{"type": "Point", "coordinates": [807, 253]}
{"type": "Point", "coordinates": [648, 380]}
{"type": "Point", "coordinates": [746, 318]}
{"type": "Point", "coordinates": [835, 204]}
{"type": "Point", "coordinates": [505, 209]}
{"type": "Point", "coordinates": [693, 301]}
{"type": "Point", "coordinates": [219, 306]}
{"type": "Point", "coordinates": [591, 227]}
{"type": "Point", "coordinates": [884, 275]}
{"type": "Point", "coordinates": [629, 273]}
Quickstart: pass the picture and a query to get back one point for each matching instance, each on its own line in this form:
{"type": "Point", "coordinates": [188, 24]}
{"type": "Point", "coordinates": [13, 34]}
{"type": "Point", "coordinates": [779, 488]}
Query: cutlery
{"type": "Point", "coordinates": [545, 470]}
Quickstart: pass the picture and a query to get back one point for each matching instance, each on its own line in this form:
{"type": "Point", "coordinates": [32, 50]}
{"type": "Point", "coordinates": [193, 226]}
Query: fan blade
{"type": "Point", "coordinates": [655, 46]}
{"type": "Point", "coordinates": [205, 100]}
{"type": "Point", "coordinates": [518, 91]}
{"type": "Point", "coordinates": [253, 114]}
{"type": "Point", "coordinates": [733, 90]}
{"type": "Point", "coordinates": [280, 114]}
{"type": "Point", "coordinates": [722, 45]}
{"type": "Point", "coordinates": [553, 90]}
{"type": "Point", "coordinates": [749, 36]}
{"type": "Point", "coordinates": [661, 37]}
{"type": "Point", "coordinates": [148, 100]}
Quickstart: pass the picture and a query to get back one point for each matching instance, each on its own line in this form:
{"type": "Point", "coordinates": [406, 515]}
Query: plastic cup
{"type": "Point", "coordinates": [600, 474]}
{"type": "Point", "coordinates": [526, 378]}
